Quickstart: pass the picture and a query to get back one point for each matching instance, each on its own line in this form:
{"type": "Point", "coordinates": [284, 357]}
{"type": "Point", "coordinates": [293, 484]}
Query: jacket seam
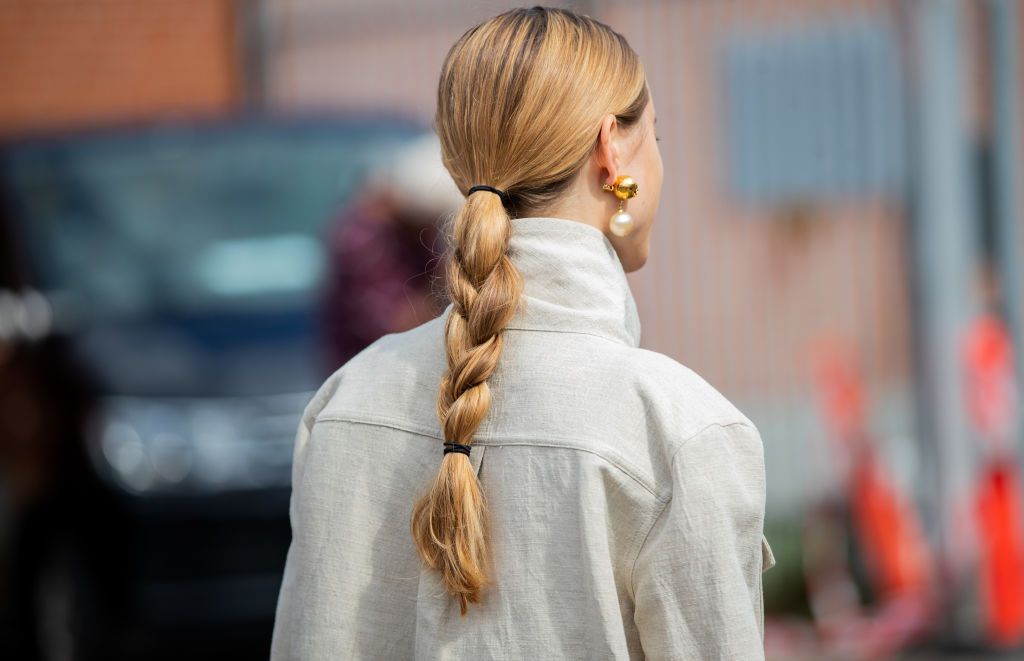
{"type": "Point", "coordinates": [736, 423]}
{"type": "Point", "coordinates": [643, 542]}
{"type": "Point", "coordinates": [629, 471]}
{"type": "Point", "coordinates": [608, 338]}
{"type": "Point", "coordinates": [664, 505]}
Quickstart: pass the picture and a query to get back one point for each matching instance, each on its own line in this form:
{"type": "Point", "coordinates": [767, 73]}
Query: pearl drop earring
{"type": "Point", "coordinates": [624, 188]}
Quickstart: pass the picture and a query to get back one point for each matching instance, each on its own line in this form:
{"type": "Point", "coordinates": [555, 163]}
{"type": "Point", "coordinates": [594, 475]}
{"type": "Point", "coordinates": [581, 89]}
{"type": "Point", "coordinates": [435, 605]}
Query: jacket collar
{"type": "Point", "coordinates": [573, 281]}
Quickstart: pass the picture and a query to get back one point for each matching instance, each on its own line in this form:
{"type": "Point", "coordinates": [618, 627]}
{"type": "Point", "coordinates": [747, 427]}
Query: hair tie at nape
{"type": "Point", "coordinates": [505, 200]}
{"type": "Point", "coordinates": [452, 446]}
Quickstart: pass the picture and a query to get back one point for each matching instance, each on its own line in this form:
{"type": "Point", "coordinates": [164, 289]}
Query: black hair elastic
{"type": "Point", "coordinates": [452, 446]}
{"type": "Point", "coordinates": [500, 193]}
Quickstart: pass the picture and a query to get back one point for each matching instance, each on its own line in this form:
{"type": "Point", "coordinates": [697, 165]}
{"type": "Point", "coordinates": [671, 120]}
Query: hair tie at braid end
{"type": "Point", "coordinates": [452, 446]}
{"type": "Point", "coordinates": [491, 189]}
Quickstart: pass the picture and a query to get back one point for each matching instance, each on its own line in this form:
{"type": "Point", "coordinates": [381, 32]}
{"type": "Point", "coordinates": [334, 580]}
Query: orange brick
{"type": "Point", "coordinates": [67, 63]}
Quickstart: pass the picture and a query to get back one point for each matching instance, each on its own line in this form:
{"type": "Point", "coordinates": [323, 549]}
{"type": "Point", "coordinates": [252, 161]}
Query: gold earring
{"type": "Point", "coordinates": [624, 188]}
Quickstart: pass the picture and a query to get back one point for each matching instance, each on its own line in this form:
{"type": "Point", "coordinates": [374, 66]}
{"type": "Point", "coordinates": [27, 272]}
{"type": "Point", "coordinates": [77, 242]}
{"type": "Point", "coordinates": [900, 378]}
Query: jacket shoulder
{"type": "Point", "coordinates": [397, 372]}
{"type": "Point", "coordinates": [685, 403]}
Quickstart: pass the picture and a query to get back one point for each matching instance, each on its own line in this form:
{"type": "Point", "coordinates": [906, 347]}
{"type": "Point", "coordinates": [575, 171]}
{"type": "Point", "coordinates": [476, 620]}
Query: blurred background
{"type": "Point", "coordinates": [207, 206]}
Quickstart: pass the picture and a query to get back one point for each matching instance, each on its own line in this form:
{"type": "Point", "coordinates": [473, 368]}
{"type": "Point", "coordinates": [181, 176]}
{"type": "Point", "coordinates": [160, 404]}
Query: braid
{"type": "Point", "coordinates": [449, 522]}
{"type": "Point", "coordinates": [520, 100]}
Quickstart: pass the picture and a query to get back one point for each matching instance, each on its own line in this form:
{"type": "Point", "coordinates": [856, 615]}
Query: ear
{"type": "Point", "coordinates": [606, 152]}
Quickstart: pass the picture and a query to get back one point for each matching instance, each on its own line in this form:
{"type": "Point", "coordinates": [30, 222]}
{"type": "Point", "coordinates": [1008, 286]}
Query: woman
{"type": "Point", "coordinates": [516, 478]}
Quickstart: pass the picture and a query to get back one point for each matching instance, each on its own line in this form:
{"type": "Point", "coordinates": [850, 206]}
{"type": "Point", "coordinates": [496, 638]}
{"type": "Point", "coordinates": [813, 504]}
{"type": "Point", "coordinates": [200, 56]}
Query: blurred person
{"type": "Point", "coordinates": [383, 258]}
{"type": "Point", "coordinates": [517, 478]}
{"type": "Point", "coordinates": [43, 405]}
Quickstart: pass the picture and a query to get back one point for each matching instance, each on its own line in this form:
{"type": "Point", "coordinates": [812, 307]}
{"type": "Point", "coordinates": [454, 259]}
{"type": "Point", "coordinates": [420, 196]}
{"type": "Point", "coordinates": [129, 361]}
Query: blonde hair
{"type": "Point", "coordinates": [519, 107]}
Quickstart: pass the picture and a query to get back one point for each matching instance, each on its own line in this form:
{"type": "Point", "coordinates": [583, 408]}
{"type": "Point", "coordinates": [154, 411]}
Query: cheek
{"type": "Point", "coordinates": [656, 170]}
{"type": "Point", "coordinates": [653, 189]}
{"type": "Point", "coordinates": [653, 167]}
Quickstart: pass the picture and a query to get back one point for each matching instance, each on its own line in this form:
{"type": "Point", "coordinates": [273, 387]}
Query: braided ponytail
{"type": "Point", "coordinates": [450, 521]}
{"type": "Point", "coordinates": [508, 115]}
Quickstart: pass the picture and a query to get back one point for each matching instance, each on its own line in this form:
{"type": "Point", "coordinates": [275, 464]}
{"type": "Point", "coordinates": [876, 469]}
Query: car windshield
{"type": "Point", "coordinates": [188, 261]}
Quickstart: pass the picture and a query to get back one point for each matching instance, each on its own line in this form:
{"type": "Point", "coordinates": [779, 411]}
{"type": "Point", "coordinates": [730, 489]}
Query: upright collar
{"type": "Point", "coordinates": [573, 281]}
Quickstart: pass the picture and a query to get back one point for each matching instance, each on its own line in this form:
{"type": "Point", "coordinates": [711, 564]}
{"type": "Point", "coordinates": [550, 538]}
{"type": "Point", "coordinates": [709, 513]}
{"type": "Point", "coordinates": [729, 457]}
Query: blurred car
{"type": "Point", "coordinates": [158, 341]}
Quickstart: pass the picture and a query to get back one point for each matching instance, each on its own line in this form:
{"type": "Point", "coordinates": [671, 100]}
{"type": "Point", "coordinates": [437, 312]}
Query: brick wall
{"type": "Point", "coordinates": [69, 63]}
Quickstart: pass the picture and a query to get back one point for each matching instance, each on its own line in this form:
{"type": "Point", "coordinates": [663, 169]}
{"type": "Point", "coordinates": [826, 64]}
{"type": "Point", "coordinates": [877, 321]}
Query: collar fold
{"type": "Point", "coordinates": [573, 281]}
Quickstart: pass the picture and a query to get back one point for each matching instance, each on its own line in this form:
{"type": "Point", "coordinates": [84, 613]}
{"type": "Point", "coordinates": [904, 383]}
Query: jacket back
{"type": "Point", "coordinates": [626, 495]}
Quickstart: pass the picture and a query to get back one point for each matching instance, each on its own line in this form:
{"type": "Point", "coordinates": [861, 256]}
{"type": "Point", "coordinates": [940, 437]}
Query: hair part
{"type": "Point", "coordinates": [519, 106]}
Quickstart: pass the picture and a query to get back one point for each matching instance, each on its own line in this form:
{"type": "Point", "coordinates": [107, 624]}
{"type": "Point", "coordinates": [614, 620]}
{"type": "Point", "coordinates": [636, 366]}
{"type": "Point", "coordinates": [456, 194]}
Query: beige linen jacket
{"type": "Point", "coordinates": [626, 494]}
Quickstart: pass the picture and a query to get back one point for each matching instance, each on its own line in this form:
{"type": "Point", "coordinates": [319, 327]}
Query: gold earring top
{"type": "Point", "coordinates": [624, 187]}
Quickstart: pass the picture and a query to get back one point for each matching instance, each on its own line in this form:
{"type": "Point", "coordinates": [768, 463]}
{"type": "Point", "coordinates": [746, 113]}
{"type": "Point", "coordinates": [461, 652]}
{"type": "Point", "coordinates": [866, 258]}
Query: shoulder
{"type": "Point", "coordinates": [675, 403]}
{"type": "Point", "coordinates": [686, 397]}
{"type": "Point", "coordinates": [691, 428]}
{"type": "Point", "coordinates": [397, 372]}
{"type": "Point", "coordinates": [634, 405]}
{"type": "Point", "coordinates": [415, 347]}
